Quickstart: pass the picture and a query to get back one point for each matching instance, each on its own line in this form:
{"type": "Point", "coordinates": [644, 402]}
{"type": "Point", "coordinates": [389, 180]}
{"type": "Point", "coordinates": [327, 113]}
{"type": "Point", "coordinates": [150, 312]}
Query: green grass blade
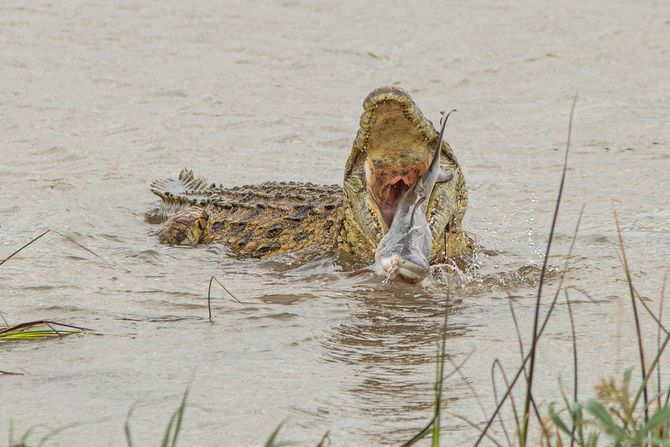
{"type": "Point", "coordinates": [579, 421]}
{"type": "Point", "coordinates": [660, 417]}
{"type": "Point", "coordinates": [174, 425]}
{"type": "Point", "coordinates": [606, 420]}
{"type": "Point", "coordinates": [273, 436]}
{"type": "Point", "coordinates": [272, 440]}
{"type": "Point", "coordinates": [437, 404]}
{"type": "Point", "coordinates": [653, 441]}
{"type": "Point", "coordinates": [167, 437]}
{"type": "Point", "coordinates": [34, 330]}
{"type": "Point", "coordinates": [23, 246]}
{"type": "Point", "coordinates": [32, 335]}
{"type": "Point", "coordinates": [419, 436]}
{"type": "Point", "coordinates": [439, 380]}
{"type": "Point", "coordinates": [556, 419]}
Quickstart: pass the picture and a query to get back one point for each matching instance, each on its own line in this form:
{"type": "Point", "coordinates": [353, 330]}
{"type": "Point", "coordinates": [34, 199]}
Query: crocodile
{"type": "Point", "coordinates": [392, 150]}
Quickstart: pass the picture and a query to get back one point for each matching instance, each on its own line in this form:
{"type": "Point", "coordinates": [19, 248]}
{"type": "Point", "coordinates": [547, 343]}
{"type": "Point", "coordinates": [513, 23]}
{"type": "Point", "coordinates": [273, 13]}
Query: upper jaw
{"type": "Point", "coordinates": [392, 149]}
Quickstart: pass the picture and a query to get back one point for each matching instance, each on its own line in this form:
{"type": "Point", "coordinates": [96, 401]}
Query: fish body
{"type": "Point", "coordinates": [403, 253]}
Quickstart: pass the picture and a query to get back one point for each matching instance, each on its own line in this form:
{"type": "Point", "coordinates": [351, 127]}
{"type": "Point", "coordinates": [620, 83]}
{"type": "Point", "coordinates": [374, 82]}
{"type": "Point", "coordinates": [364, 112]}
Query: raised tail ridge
{"type": "Point", "coordinates": [174, 190]}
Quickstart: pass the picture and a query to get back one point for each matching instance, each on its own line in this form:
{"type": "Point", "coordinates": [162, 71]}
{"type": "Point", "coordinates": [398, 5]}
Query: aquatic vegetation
{"type": "Point", "coordinates": [174, 425]}
{"type": "Point", "coordinates": [63, 236]}
{"type": "Point", "coordinates": [209, 296]}
{"type": "Point", "coordinates": [41, 329]}
{"type": "Point", "coordinates": [378, 57]}
{"type": "Point", "coordinates": [272, 440]}
{"type": "Point", "coordinates": [612, 418]}
{"type": "Point", "coordinates": [620, 414]}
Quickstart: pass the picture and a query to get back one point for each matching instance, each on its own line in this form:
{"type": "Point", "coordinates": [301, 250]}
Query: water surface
{"type": "Point", "coordinates": [99, 100]}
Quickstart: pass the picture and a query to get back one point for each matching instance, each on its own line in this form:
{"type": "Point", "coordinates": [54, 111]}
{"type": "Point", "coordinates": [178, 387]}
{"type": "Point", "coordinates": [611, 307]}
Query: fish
{"type": "Point", "coordinates": [402, 254]}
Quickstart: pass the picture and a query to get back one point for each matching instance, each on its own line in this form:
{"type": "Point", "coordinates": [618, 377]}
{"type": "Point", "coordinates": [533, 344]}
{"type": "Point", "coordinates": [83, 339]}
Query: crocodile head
{"type": "Point", "coordinates": [392, 150]}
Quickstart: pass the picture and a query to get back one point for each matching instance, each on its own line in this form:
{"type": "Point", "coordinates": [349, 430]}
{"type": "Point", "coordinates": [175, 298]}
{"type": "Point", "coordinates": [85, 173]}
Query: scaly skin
{"type": "Point", "coordinates": [258, 220]}
{"type": "Point", "coordinates": [394, 140]}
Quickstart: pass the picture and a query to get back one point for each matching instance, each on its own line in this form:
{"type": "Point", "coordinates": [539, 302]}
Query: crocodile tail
{"type": "Point", "coordinates": [174, 190]}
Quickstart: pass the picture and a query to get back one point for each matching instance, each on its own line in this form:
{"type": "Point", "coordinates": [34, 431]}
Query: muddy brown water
{"type": "Point", "coordinates": [97, 100]}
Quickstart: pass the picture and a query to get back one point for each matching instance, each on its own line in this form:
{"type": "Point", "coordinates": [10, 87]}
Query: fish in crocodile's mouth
{"type": "Point", "coordinates": [403, 253]}
{"type": "Point", "coordinates": [392, 150]}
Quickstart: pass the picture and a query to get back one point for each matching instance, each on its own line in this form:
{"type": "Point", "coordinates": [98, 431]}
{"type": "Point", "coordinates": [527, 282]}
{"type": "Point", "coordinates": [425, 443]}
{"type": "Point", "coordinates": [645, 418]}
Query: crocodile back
{"type": "Point", "coordinates": [260, 220]}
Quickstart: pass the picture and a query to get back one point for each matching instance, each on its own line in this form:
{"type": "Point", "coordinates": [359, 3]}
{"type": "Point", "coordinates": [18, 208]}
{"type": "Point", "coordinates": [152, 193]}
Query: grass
{"type": "Point", "coordinates": [33, 331]}
{"type": "Point", "coordinates": [174, 425]}
{"type": "Point", "coordinates": [611, 418]}
{"type": "Point", "coordinates": [620, 415]}
{"type": "Point", "coordinates": [38, 330]}
{"type": "Point", "coordinates": [212, 280]}
{"type": "Point", "coordinates": [378, 57]}
{"type": "Point", "coordinates": [41, 329]}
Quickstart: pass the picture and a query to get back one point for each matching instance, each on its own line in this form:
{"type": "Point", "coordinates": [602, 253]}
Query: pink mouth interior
{"type": "Point", "coordinates": [388, 188]}
{"type": "Point", "coordinates": [393, 193]}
